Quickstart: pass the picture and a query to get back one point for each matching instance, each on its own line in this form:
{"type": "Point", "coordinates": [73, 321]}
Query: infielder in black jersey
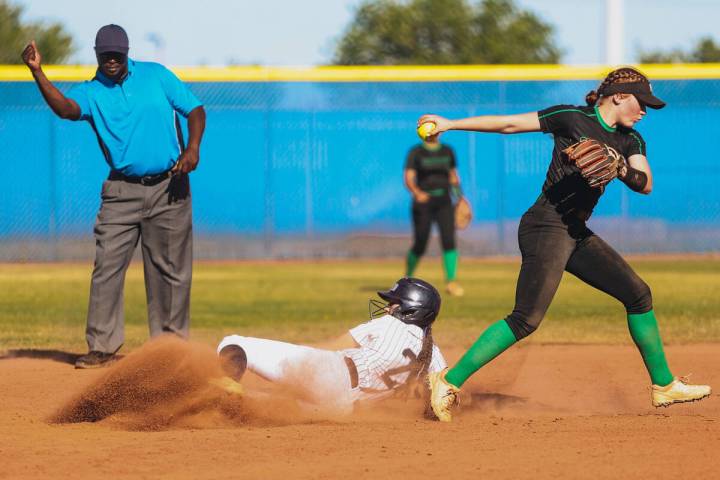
{"type": "Point", "coordinates": [432, 178]}
{"type": "Point", "coordinates": [554, 237]}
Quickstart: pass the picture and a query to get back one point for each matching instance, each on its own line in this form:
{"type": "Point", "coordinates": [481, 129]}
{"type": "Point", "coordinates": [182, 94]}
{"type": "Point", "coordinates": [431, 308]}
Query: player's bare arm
{"type": "Point", "coordinates": [519, 123]}
{"type": "Point", "coordinates": [454, 177]}
{"type": "Point", "coordinates": [61, 105]}
{"type": "Point", "coordinates": [410, 177]}
{"type": "Point", "coordinates": [189, 158]}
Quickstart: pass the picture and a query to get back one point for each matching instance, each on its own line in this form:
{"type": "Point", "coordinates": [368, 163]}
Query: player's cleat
{"type": "Point", "coordinates": [678, 391]}
{"type": "Point", "coordinates": [443, 396]}
{"type": "Point", "coordinates": [455, 289]}
{"type": "Point", "coordinates": [227, 384]}
{"type": "Point", "coordinates": [95, 359]}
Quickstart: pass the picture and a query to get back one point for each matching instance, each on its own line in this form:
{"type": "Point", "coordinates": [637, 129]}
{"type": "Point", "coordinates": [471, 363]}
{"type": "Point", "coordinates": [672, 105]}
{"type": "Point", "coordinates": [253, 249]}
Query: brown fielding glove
{"type": "Point", "coordinates": [597, 162]}
{"type": "Point", "coordinates": [463, 214]}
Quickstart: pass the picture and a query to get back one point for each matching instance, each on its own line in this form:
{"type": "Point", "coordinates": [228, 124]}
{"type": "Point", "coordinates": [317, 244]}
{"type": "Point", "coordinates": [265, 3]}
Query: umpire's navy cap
{"type": "Point", "coordinates": [111, 38]}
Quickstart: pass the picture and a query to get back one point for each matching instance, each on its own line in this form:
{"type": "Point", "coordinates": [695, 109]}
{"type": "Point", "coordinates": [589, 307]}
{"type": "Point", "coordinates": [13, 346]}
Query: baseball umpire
{"type": "Point", "coordinates": [132, 107]}
{"type": "Point", "coordinates": [431, 177]}
{"type": "Point", "coordinates": [593, 144]}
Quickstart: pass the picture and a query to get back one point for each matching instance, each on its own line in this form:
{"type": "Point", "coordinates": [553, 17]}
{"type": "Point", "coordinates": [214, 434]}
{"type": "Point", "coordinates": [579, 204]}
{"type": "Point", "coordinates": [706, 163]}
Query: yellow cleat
{"type": "Point", "coordinates": [678, 391]}
{"type": "Point", "coordinates": [227, 384]}
{"type": "Point", "coordinates": [443, 396]}
{"type": "Point", "coordinates": [454, 289]}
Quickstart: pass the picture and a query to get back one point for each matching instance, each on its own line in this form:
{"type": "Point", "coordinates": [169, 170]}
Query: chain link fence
{"type": "Point", "coordinates": [311, 169]}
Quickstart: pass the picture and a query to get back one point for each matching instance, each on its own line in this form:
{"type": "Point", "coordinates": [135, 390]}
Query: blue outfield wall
{"type": "Point", "coordinates": [300, 163]}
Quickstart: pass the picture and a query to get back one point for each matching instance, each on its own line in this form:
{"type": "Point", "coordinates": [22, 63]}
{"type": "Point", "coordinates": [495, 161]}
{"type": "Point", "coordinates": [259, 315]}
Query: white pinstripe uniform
{"type": "Point", "coordinates": [387, 347]}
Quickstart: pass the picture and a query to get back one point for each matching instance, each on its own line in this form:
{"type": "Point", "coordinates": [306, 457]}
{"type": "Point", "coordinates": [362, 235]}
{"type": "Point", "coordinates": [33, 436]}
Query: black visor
{"type": "Point", "coordinates": [389, 297]}
{"type": "Point", "coordinates": [641, 90]}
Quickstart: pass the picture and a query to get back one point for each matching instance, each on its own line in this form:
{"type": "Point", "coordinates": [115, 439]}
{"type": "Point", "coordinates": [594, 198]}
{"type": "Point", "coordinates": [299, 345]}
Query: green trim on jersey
{"type": "Point", "coordinates": [602, 122]}
{"type": "Point", "coordinates": [597, 116]}
{"type": "Point", "coordinates": [567, 110]}
{"type": "Point", "coordinates": [632, 134]}
{"type": "Point", "coordinates": [435, 161]}
{"type": "Point", "coordinates": [436, 192]}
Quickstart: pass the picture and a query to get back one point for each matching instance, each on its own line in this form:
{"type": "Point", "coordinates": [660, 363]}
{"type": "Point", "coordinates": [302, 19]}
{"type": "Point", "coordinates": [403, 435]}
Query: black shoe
{"type": "Point", "coordinates": [95, 359]}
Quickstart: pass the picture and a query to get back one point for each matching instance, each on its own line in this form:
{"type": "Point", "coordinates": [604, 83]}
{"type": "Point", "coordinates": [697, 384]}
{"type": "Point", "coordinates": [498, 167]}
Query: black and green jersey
{"type": "Point", "coordinates": [432, 167]}
{"type": "Point", "coordinates": [569, 124]}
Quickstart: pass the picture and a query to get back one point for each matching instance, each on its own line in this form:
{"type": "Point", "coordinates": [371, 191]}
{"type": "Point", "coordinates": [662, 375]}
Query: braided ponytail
{"type": "Point", "coordinates": [619, 75]}
{"type": "Point", "coordinates": [419, 368]}
{"type": "Point", "coordinates": [591, 98]}
{"type": "Point", "coordinates": [425, 356]}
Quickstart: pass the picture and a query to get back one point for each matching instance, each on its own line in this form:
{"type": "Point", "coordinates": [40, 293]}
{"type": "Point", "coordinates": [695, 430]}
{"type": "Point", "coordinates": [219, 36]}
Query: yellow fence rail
{"type": "Point", "coordinates": [439, 73]}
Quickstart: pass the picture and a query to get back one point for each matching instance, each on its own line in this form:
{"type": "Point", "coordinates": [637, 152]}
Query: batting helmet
{"type": "Point", "coordinates": [419, 302]}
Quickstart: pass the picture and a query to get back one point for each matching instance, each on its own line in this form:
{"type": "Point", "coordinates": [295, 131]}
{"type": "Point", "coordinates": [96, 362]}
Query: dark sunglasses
{"type": "Point", "coordinates": [117, 56]}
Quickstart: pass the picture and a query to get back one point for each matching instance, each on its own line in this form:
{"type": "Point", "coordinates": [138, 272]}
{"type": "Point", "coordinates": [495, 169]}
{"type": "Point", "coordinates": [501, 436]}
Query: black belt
{"type": "Point", "coordinates": [147, 180]}
{"type": "Point", "coordinates": [352, 370]}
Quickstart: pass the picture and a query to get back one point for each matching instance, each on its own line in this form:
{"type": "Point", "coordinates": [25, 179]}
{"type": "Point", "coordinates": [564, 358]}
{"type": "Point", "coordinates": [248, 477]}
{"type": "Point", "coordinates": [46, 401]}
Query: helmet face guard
{"type": "Point", "coordinates": [418, 302]}
{"type": "Point", "coordinates": [377, 309]}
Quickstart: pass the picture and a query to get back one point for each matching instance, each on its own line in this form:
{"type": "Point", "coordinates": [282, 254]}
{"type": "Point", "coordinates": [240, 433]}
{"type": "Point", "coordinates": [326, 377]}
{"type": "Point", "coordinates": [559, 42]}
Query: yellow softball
{"type": "Point", "coordinates": [424, 129]}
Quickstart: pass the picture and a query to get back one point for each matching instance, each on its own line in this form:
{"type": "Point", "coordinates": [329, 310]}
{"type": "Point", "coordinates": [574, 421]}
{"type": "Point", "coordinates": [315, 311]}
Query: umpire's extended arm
{"type": "Point", "coordinates": [60, 104]}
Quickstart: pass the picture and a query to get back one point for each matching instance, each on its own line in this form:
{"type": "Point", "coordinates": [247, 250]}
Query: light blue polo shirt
{"type": "Point", "coordinates": [136, 121]}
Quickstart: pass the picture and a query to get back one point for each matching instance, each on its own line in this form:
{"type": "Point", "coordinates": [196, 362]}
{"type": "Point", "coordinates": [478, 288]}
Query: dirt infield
{"type": "Point", "coordinates": [540, 411]}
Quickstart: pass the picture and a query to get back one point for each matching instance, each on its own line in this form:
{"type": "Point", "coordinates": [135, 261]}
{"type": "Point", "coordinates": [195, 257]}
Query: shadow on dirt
{"type": "Point", "coordinates": [41, 354]}
{"type": "Point", "coordinates": [496, 401]}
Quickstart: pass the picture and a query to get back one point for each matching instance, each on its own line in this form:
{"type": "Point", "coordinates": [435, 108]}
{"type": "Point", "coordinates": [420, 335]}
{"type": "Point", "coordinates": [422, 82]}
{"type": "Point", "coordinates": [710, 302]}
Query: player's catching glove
{"type": "Point", "coordinates": [597, 162]}
{"type": "Point", "coordinates": [463, 213]}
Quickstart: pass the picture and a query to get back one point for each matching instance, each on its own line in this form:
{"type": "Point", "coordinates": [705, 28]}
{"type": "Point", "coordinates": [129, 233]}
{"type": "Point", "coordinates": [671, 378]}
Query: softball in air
{"type": "Point", "coordinates": [424, 129]}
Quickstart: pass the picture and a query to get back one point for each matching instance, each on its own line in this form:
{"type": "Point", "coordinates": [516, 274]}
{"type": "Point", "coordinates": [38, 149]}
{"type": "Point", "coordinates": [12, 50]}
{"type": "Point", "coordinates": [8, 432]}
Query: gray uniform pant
{"type": "Point", "coordinates": [161, 216]}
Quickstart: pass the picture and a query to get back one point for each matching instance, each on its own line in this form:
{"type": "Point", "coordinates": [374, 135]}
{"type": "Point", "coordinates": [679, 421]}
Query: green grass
{"type": "Point", "coordinates": [44, 305]}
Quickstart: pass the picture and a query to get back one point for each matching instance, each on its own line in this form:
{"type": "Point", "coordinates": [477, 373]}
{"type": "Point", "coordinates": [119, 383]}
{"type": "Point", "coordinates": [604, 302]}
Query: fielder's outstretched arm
{"type": "Point", "coordinates": [519, 123]}
{"type": "Point", "coordinates": [60, 104]}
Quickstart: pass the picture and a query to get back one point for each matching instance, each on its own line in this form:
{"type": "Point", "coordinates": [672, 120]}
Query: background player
{"type": "Point", "coordinates": [372, 361]}
{"type": "Point", "coordinates": [431, 176]}
{"type": "Point", "coordinates": [554, 238]}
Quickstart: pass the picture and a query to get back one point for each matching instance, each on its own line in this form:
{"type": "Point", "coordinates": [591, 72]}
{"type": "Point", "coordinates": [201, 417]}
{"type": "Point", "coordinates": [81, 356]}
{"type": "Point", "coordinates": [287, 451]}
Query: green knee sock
{"type": "Point", "coordinates": [411, 264]}
{"type": "Point", "coordinates": [450, 258]}
{"type": "Point", "coordinates": [644, 331]}
{"type": "Point", "coordinates": [494, 340]}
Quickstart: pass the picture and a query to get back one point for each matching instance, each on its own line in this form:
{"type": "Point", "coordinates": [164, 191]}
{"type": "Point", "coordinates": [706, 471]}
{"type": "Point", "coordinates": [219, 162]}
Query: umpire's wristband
{"type": "Point", "coordinates": [456, 190]}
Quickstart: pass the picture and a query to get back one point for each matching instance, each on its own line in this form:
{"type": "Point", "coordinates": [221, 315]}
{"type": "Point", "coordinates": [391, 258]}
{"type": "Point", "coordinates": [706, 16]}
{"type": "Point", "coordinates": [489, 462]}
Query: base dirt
{"type": "Point", "coordinates": [540, 411]}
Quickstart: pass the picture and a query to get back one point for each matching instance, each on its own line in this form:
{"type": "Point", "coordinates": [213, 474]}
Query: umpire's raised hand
{"type": "Point", "coordinates": [31, 56]}
{"type": "Point", "coordinates": [62, 106]}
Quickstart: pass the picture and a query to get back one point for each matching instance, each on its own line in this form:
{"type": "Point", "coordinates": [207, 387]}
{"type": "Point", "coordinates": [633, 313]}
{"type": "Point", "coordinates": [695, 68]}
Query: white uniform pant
{"type": "Point", "coordinates": [320, 377]}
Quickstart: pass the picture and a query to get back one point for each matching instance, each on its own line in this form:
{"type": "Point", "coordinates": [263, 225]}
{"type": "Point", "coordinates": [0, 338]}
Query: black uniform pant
{"type": "Point", "coordinates": [551, 245]}
{"type": "Point", "coordinates": [436, 210]}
